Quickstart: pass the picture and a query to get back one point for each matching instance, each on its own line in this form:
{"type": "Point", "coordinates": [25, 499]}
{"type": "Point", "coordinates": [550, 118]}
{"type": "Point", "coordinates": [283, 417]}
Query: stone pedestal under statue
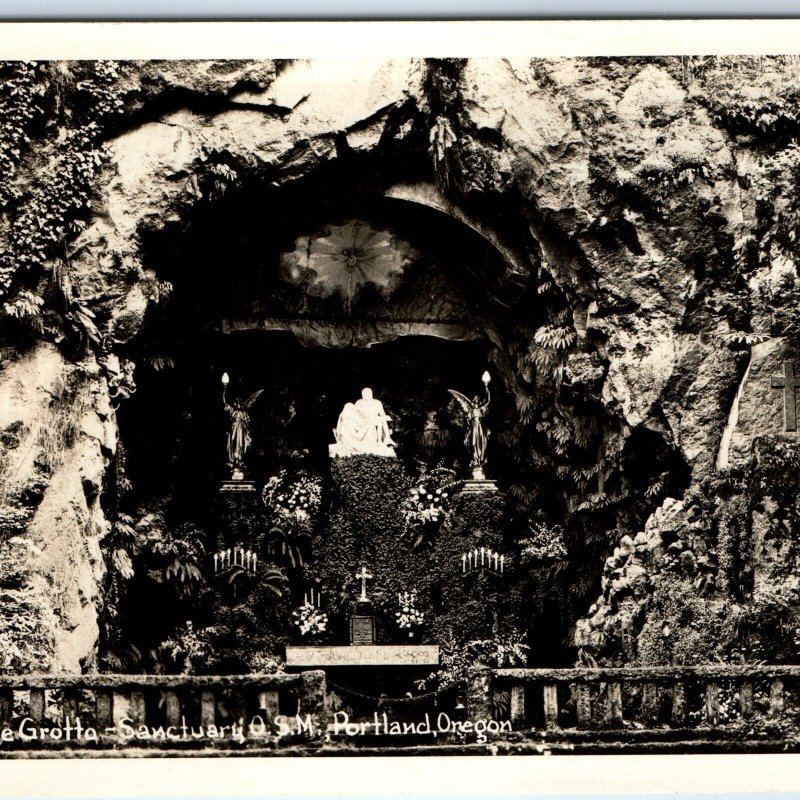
{"type": "Point", "coordinates": [236, 485]}
{"type": "Point", "coordinates": [478, 483]}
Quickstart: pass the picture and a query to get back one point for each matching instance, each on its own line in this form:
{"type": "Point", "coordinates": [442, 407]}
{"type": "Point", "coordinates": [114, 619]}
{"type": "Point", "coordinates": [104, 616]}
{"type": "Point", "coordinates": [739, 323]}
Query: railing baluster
{"type": "Point", "coordinates": [614, 705]}
{"type": "Point", "coordinates": [208, 708]}
{"type": "Point", "coordinates": [268, 703]}
{"type": "Point", "coordinates": [138, 707]}
{"type": "Point", "coordinates": [173, 707]}
{"type": "Point", "coordinates": [746, 700]}
{"type": "Point", "coordinates": [712, 703]}
{"type": "Point", "coordinates": [583, 705]}
{"type": "Point", "coordinates": [69, 705]}
{"type": "Point", "coordinates": [678, 714]}
{"type": "Point", "coordinates": [479, 693]}
{"type": "Point", "coordinates": [6, 704]}
{"type": "Point", "coordinates": [550, 696]}
{"type": "Point", "coordinates": [649, 703]}
{"type": "Point", "coordinates": [517, 704]}
{"type": "Point", "coordinates": [776, 700]}
{"type": "Point", "coordinates": [313, 687]}
{"type": "Point", "coordinates": [104, 709]}
{"type": "Point", "coordinates": [36, 705]}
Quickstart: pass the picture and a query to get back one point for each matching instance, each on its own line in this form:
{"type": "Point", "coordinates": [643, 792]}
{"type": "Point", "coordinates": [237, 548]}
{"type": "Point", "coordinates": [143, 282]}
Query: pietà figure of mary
{"type": "Point", "coordinates": [476, 436]}
{"type": "Point", "coordinates": [239, 436]}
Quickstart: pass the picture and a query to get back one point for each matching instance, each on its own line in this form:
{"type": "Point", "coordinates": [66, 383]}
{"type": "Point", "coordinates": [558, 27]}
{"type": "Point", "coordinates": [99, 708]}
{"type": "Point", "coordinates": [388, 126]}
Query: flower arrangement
{"type": "Point", "coordinates": [311, 620]}
{"type": "Point", "coordinates": [299, 497]}
{"type": "Point", "coordinates": [543, 543]}
{"type": "Point", "coordinates": [409, 617]}
{"type": "Point", "coordinates": [429, 501]}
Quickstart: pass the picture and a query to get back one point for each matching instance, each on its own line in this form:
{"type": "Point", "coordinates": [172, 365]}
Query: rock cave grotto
{"type": "Point", "coordinates": [571, 286]}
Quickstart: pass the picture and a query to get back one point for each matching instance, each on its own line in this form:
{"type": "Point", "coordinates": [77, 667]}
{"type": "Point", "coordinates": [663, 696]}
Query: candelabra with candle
{"type": "Point", "coordinates": [483, 558]}
{"type": "Point", "coordinates": [312, 598]}
{"type": "Point", "coordinates": [409, 616]}
{"type": "Point", "coordinates": [235, 557]}
{"type": "Point", "coordinates": [309, 617]}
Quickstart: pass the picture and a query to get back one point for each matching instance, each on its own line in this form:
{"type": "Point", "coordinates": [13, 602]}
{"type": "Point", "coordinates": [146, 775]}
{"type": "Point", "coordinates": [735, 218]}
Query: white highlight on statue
{"type": "Point", "coordinates": [363, 429]}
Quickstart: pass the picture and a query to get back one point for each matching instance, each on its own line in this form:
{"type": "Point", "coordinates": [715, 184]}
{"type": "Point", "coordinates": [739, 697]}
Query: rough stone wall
{"type": "Point", "coordinates": [631, 279]}
{"type": "Point", "coordinates": [585, 149]}
{"type": "Point", "coordinates": [65, 436]}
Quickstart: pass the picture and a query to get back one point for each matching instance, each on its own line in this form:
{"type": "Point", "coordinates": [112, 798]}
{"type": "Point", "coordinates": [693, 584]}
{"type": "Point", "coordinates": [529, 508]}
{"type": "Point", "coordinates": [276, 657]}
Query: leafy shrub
{"type": "Point", "coordinates": [680, 627]}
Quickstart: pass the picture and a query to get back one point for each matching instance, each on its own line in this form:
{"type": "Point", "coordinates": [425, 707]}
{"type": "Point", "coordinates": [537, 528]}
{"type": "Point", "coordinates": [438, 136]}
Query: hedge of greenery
{"type": "Point", "coordinates": [367, 527]}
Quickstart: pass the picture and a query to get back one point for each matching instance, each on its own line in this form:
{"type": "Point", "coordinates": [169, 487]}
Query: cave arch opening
{"type": "Point", "coordinates": [315, 289]}
{"type": "Point", "coordinates": [348, 275]}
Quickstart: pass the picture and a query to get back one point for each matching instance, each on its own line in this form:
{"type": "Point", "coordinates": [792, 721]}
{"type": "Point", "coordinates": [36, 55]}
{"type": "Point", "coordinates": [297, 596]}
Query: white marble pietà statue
{"type": "Point", "coordinates": [363, 429]}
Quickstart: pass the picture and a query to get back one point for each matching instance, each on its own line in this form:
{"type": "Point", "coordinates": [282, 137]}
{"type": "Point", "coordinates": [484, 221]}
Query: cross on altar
{"type": "Point", "coordinates": [363, 576]}
{"type": "Point", "coordinates": [788, 382]}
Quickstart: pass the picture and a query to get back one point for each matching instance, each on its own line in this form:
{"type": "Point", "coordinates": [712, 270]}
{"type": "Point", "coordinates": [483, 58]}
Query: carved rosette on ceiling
{"type": "Point", "coordinates": [343, 258]}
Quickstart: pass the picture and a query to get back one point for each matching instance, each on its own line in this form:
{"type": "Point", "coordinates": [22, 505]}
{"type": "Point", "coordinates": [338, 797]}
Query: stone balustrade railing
{"type": "Point", "coordinates": [640, 699]}
{"type": "Point", "coordinates": [163, 711]}
{"type": "Point", "coordinates": [615, 708]}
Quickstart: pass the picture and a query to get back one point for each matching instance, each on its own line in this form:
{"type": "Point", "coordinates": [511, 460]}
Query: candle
{"type": "Point", "coordinates": [305, 599]}
{"type": "Point", "coordinates": [481, 556]}
{"type": "Point", "coordinates": [502, 561]}
{"type": "Point", "coordinates": [496, 558]}
{"type": "Point", "coordinates": [464, 562]}
{"type": "Point", "coordinates": [215, 562]}
{"type": "Point", "coordinates": [228, 556]}
{"type": "Point", "coordinates": [255, 558]}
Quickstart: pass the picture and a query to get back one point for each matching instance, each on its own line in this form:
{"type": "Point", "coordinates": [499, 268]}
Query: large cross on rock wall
{"type": "Point", "coordinates": [766, 403]}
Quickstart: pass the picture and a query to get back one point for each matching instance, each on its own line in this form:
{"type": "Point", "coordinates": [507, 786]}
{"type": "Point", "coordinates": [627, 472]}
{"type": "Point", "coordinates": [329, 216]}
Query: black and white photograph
{"type": "Point", "coordinates": [379, 405]}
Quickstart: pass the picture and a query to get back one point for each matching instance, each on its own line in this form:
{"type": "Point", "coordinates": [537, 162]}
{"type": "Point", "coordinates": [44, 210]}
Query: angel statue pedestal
{"type": "Point", "coordinates": [237, 485]}
{"type": "Point", "coordinates": [239, 439]}
{"type": "Point", "coordinates": [478, 483]}
{"type": "Point", "coordinates": [476, 438]}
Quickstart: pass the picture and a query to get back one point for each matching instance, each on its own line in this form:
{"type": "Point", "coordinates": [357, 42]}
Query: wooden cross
{"type": "Point", "coordinates": [788, 382]}
{"type": "Point", "coordinates": [364, 576]}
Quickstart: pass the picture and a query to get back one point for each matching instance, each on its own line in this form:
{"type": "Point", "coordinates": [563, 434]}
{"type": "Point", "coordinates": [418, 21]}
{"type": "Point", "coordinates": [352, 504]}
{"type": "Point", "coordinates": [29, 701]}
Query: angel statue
{"type": "Point", "coordinates": [476, 436]}
{"type": "Point", "coordinates": [239, 436]}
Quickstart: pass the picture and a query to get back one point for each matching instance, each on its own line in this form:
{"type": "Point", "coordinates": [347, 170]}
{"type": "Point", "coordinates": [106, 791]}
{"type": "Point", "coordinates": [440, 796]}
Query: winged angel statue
{"type": "Point", "coordinates": [476, 436]}
{"type": "Point", "coordinates": [239, 436]}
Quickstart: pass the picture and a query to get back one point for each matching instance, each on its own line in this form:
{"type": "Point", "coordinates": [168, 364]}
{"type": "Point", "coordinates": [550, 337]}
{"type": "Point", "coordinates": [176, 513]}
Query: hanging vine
{"type": "Point", "coordinates": [59, 162]}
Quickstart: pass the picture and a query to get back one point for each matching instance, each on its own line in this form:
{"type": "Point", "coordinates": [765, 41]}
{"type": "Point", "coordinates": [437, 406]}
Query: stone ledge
{"type": "Point", "coordinates": [367, 655]}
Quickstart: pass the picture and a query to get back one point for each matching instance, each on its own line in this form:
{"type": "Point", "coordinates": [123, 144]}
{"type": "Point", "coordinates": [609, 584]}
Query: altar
{"type": "Point", "coordinates": [364, 655]}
